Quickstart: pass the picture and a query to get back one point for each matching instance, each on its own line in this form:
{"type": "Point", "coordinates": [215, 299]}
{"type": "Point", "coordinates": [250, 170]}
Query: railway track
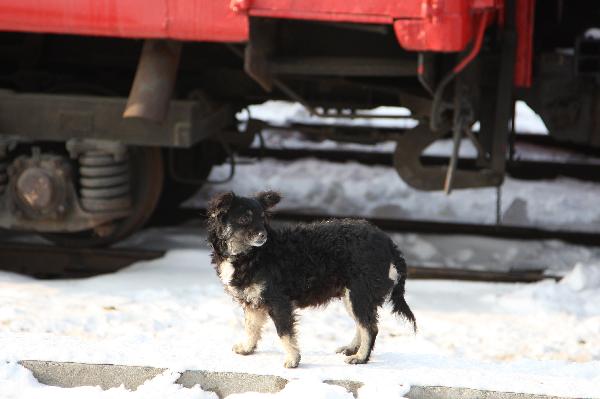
{"type": "Point", "coordinates": [50, 262]}
{"type": "Point", "coordinates": [45, 261]}
{"type": "Point", "coordinates": [520, 169]}
{"type": "Point", "coordinates": [517, 168]}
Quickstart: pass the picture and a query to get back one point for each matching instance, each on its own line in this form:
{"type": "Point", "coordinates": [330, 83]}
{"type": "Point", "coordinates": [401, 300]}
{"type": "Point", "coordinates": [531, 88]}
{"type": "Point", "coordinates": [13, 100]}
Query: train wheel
{"type": "Point", "coordinates": [147, 172]}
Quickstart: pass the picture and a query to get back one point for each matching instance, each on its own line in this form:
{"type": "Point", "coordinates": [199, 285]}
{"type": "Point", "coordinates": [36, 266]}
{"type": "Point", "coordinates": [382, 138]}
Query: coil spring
{"type": "Point", "coordinates": [3, 174]}
{"type": "Point", "coordinates": [104, 183]}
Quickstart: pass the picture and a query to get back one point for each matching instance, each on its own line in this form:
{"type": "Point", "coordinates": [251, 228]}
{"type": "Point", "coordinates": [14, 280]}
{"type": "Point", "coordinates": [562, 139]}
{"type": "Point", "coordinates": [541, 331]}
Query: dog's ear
{"type": "Point", "coordinates": [220, 204]}
{"type": "Point", "coordinates": [268, 199]}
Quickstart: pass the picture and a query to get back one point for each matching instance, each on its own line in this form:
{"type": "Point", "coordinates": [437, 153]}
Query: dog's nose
{"type": "Point", "coordinates": [260, 238]}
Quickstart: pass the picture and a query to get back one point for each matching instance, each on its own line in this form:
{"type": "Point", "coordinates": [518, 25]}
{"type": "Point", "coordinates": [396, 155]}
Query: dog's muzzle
{"type": "Point", "coordinates": [259, 239]}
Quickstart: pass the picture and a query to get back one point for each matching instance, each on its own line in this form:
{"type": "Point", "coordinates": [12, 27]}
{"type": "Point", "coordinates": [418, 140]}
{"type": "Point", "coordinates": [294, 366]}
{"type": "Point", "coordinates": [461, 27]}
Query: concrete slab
{"type": "Point", "coordinates": [69, 375]}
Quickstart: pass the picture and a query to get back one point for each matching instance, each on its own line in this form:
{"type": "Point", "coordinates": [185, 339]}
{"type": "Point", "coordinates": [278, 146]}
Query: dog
{"type": "Point", "coordinates": [272, 272]}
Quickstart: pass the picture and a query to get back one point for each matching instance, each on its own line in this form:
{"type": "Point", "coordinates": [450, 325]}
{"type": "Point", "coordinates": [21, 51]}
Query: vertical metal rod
{"type": "Point", "coordinates": [513, 134]}
{"type": "Point", "coordinates": [498, 205]}
{"type": "Point", "coordinates": [154, 81]}
{"type": "Point", "coordinates": [456, 138]}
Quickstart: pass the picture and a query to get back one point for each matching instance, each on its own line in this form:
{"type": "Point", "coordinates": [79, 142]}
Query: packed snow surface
{"type": "Point", "coordinates": [173, 313]}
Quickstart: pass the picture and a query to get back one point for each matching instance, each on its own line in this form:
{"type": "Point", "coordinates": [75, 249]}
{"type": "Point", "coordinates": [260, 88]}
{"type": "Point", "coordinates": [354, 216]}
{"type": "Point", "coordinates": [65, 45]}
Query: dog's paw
{"type": "Point", "coordinates": [347, 350]}
{"type": "Point", "coordinates": [355, 360]}
{"type": "Point", "coordinates": [291, 362]}
{"type": "Point", "coordinates": [241, 349]}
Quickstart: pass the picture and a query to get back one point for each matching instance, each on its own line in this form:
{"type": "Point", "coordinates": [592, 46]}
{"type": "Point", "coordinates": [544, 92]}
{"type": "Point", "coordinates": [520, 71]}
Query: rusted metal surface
{"type": "Point", "coordinates": [154, 81]}
{"type": "Point", "coordinates": [409, 165]}
{"type": "Point", "coordinates": [452, 228]}
{"type": "Point", "coordinates": [35, 189]}
{"type": "Point", "coordinates": [64, 117]}
{"type": "Point", "coordinates": [146, 165]}
{"type": "Point", "coordinates": [41, 197]}
{"type": "Point", "coordinates": [510, 276]}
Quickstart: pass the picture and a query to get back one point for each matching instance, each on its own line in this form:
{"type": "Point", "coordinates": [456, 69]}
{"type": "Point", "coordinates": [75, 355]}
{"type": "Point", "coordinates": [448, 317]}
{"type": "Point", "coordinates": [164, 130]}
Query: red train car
{"type": "Point", "coordinates": [106, 106]}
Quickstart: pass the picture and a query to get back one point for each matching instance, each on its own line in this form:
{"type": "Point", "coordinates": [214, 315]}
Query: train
{"type": "Point", "coordinates": [110, 109]}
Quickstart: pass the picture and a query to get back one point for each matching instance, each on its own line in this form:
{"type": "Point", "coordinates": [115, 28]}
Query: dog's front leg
{"type": "Point", "coordinates": [282, 313]}
{"type": "Point", "coordinates": [254, 320]}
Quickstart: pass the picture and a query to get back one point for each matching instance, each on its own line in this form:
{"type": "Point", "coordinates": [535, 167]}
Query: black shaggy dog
{"type": "Point", "coordinates": [271, 272]}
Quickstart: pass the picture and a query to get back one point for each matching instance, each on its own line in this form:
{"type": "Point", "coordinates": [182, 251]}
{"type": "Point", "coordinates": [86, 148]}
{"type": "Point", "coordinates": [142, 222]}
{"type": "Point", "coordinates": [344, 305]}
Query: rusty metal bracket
{"type": "Point", "coordinates": [407, 161]}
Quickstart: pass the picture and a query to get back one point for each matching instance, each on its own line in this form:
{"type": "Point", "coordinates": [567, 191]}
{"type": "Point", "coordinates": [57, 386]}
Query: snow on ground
{"type": "Point", "coordinates": [540, 338]}
{"type": "Point", "coordinates": [429, 250]}
{"type": "Point", "coordinates": [18, 382]}
{"type": "Point", "coordinates": [172, 312]}
{"type": "Point", "coordinates": [354, 189]}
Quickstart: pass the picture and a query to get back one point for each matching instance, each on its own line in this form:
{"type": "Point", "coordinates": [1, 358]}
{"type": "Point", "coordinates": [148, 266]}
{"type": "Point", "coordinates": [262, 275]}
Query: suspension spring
{"type": "Point", "coordinates": [104, 181]}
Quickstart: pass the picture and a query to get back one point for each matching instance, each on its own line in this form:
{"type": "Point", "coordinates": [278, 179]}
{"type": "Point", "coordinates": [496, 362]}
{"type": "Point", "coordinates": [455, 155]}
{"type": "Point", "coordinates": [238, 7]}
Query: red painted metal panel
{"type": "Point", "coordinates": [334, 8]}
{"type": "Point", "coordinates": [446, 26]}
{"type": "Point", "coordinates": [207, 20]}
{"type": "Point", "coordinates": [524, 24]}
{"type": "Point", "coordinates": [319, 16]}
{"type": "Point", "coordinates": [420, 25]}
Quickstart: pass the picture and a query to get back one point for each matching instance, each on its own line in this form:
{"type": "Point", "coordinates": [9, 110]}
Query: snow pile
{"type": "Point", "coordinates": [592, 33]}
{"type": "Point", "coordinates": [527, 121]}
{"type": "Point", "coordinates": [578, 293]}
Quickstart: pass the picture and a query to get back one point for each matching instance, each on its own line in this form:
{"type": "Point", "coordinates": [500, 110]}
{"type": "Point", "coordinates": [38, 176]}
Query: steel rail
{"type": "Point", "coordinates": [51, 262]}
{"type": "Point", "coordinates": [520, 168]}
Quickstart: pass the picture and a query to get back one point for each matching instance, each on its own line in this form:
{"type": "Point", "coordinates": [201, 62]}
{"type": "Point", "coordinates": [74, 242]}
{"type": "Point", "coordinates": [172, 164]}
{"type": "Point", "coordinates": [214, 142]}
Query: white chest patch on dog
{"type": "Point", "coordinates": [393, 273]}
{"type": "Point", "coordinates": [226, 271]}
{"type": "Point", "coordinates": [250, 295]}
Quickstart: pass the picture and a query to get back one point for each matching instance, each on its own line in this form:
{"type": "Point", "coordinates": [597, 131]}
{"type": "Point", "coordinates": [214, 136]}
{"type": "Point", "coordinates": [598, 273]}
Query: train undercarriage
{"type": "Point", "coordinates": [96, 133]}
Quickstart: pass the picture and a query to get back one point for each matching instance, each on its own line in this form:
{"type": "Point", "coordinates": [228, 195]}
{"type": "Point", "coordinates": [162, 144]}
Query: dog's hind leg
{"type": "Point", "coordinates": [282, 313]}
{"type": "Point", "coordinates": [365, 312]}
{"type": "Point", "coordinates": [254, 320]}
{"type": "Point", "coordinates": [351, 348]}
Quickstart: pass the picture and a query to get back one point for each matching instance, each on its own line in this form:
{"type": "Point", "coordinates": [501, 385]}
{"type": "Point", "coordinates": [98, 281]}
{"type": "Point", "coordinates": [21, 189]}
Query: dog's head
{"type": "Point", "coordinates": [240, 222]}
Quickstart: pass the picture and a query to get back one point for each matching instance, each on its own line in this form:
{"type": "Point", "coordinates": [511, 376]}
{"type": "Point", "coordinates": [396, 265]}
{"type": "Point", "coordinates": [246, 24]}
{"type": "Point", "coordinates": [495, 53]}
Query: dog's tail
{"type": "Point", "coordinates": [399, 304]}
